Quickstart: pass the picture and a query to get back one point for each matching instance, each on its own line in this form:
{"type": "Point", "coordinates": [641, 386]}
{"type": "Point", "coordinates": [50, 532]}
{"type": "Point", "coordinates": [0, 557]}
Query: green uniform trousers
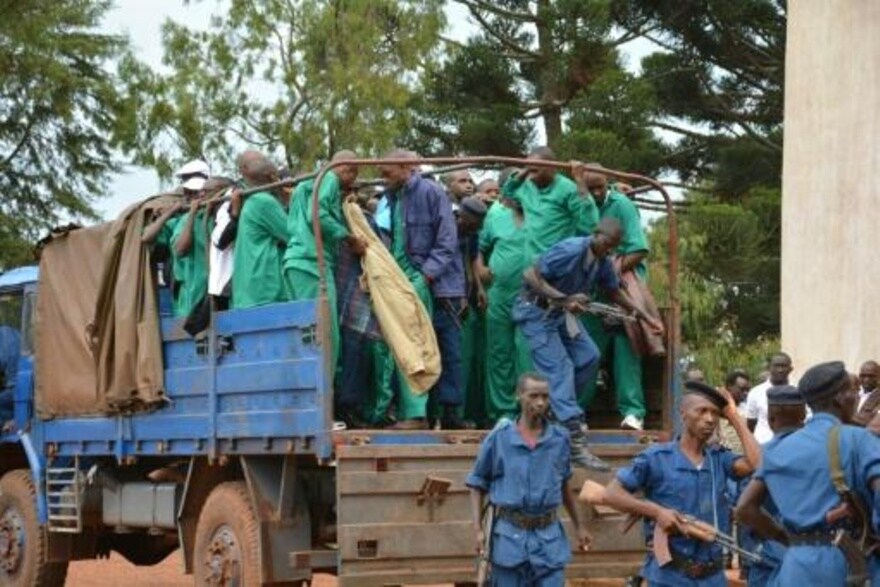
{"type": "Point", "coordinates": [473, 361]}
{"type": "Point", "coordinates": [507, 357]}
{"type": "Point", "coordinates": [626, 369]}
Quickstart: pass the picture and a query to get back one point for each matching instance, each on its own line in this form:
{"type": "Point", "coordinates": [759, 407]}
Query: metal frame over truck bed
{"type": "Point", "coordinates": [243, 470]}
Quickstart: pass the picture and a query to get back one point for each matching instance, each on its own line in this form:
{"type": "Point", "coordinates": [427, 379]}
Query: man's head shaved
{"type": "Point", "coordinates": [344, 155]}
{"type": "Point", "coordinates": [399, 154]}
{"type": "Point", "coordinates": [610, 227]}
{"type": "Point", "coordinates": [544, 152]}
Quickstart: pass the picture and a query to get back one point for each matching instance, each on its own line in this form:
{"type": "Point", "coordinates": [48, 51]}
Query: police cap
{"type": "Point", "coordinates": [706, 391]}
{"type": "Point", "coordinates": [822, 380]}
{"type": "Point", "coordinates": [473, 206]}
{"type": "Point", "coordinates": [784, 395]}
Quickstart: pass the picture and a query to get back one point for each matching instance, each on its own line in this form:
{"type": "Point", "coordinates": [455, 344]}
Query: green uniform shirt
{"type": "Point", "coordinates": [503, 245]}
{"type": "Point", "coordinates": [262, 233]}
{"type": "Point", "coordinates": [553, 213]}
{"type": "Point", "coordinates": [301, 248]}
{"type": "Point", "coordinates": [620, 207]}
{"type": "Point", "coordinates": [190, 271]}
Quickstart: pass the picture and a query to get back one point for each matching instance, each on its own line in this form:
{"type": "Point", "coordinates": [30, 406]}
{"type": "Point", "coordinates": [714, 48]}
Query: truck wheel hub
{"type": "Point", "coordinates": [224, 558]}
{"type": "Point", "coordinates": [11, 541]}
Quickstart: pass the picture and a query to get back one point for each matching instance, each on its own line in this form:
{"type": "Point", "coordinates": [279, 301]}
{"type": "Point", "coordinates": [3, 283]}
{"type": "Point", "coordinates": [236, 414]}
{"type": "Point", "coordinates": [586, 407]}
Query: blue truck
{"type": "Point", "coordinates": [242, 468]}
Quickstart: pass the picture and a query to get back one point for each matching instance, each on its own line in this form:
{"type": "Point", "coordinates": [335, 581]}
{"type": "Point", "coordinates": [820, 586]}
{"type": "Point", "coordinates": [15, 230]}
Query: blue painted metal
{"type": "Point", "coordinates": [255, 387]}
{"type": "Point", "coordinates": [36, 464]}
{"type": "Point", "coordinates": [19, 276]}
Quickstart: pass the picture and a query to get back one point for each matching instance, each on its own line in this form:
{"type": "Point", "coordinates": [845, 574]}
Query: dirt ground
{"type": "Point", "coordinates": [117, 572]}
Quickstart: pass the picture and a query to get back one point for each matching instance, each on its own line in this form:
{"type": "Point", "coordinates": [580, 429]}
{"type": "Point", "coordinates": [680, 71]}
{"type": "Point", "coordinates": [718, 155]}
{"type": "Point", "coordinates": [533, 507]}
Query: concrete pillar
{"type": "Point", "coordinates": [831, 183]}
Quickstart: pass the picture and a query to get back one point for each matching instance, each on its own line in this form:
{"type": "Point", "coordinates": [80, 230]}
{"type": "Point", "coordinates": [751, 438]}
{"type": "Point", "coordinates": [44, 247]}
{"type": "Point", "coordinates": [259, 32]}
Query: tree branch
{"type": "Point", "coordinates": [679, 130]}
{"type": "Point", "coordinates": [497, 10]}
{"type": "Point", "coordinates": [24, 139]}
{"type": "Point", "coordinates": [504, 40]}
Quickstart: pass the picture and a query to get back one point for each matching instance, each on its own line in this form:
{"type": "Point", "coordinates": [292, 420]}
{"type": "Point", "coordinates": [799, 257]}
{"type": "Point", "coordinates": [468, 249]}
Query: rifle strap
{"type": "Point", "coordinates": [840, 485]}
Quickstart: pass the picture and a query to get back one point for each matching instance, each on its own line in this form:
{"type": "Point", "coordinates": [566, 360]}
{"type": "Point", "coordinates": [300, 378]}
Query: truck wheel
{"type": "Point", "coordinates": [227, 545]}
{"type": "Point", "coordinates": [23, 543]}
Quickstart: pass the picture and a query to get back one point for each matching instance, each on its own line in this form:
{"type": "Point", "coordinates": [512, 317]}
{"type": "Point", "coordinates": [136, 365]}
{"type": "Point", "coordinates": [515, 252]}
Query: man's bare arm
{"type": "Point", "coordinates": [749, 512]}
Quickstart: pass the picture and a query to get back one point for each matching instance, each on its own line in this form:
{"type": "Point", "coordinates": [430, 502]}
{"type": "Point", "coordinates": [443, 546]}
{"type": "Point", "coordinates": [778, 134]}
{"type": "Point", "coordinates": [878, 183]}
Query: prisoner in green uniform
{"type": "Point", "coordinates": [611, 340]}
{"type": "Point", "coordinates": [502, 242]}
{"type": "Point", "coordinates": [189, 270]}
{"type": "Point", "coordinates": [410, 405]}
{"type": "Point", "coordinates": [551, 204]}
{"type": "Point", "coordinates": [259, 244]}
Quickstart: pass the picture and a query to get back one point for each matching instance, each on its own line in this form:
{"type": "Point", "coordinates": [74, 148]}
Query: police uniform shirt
{"type": "Point", "coordinates": [668, 478]}
{"type": "Point", "coordinates": [530, 480]}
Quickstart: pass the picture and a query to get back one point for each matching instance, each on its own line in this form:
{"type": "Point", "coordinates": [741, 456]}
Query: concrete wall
{"type": "Point", "coordinates": [831, 183]}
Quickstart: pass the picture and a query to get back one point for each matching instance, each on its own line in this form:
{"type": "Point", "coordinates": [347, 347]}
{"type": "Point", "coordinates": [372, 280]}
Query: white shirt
{"type": "Point", "coordinates": [863, 395]}
{"type": "Point", "coordinates": [756, 409]}
{"type": "Point", "coordinates": [220, 267]}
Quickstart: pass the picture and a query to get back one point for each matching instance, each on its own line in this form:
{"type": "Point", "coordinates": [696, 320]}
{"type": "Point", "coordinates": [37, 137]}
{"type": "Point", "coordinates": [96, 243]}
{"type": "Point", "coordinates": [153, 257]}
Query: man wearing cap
{"type": "Point", "coordinates": [301, 259]}
{"type": "Point", "coordinates": [499, 267]}
{"type": "Point", "coordinates": [798, 474]}
{"type": "Point", "coordinates": [173, 231]}
{"type": "Point", "coordinates": [555, 290]}
{"type": "Point", "coordinates": [686, 477]}
{"type": "Point", "coordinates": [786, 413]}
{"type": "Point", "coordinates": [523, 466]}
{"type": "Point", "coordinates": [469, 220]}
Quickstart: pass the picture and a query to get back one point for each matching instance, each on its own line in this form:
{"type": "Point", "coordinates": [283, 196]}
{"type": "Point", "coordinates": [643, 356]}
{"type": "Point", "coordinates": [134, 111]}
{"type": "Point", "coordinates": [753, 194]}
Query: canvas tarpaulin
{"type": "Point", "coordinates": [98, 342]}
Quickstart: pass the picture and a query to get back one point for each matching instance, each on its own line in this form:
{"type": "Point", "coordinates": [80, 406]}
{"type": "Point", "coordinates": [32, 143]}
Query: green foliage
{"type": "Point", "coordinates": [470, 105]}
{"type": "Point", "coordinates": [718, 357]}
{"type": "Point", "coordinates": [297, 79]}
{"type": "Point", "coordinates": [58, 105]}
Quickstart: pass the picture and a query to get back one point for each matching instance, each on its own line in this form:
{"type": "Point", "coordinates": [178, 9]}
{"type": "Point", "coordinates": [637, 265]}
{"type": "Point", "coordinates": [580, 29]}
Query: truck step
{"type": "Point", "coordinates": [64, 497]}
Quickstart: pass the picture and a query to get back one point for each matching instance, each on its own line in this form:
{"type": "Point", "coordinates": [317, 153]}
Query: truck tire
{"type": "Point", "coordinates": [227, 544]}
{"type": "Point", "coordinates": [23, 543]}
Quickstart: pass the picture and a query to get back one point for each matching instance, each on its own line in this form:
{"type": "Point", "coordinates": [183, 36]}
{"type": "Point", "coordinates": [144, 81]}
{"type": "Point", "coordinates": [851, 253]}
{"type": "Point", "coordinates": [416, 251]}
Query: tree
{"type": "Point", "coordinates": [58, 108]}
{"type": "Point", "coordinates": [470, 104]}
{"type": "Point", "coordinates": [560, 48]}
{"type": "Point", "coordinates": [718, 76]}
{"type": "Point", "coordinates": [299, 79]}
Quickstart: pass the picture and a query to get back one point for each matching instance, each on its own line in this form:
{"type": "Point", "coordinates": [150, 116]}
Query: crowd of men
{"type": "Point", "coordinates": [506, 269]}
{"type": "Point", "coordinates": [805, 495]}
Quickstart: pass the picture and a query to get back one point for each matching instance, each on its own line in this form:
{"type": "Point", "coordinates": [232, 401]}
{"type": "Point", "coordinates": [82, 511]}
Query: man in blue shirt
{"type": "Point", "coordinates": [686, 477]}
{"type": "Point", "coordinates": [786, 413]}
{"type": "Point", "coordinates": [422, 214]}
{"type": "Point", "coordinates": [797, 475]}
{"type": "Point", "coordinates": [524, 468]}
{"type": "Point", "coordinates": [558, 287]}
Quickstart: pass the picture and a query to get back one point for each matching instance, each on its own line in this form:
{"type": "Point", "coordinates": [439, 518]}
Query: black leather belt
{"type": "Point", "coordinates": [811, 539]}
{"type": "Point", "coordinates": [695, 569]}
{"type": "Point", "coordinates": [526, 521]}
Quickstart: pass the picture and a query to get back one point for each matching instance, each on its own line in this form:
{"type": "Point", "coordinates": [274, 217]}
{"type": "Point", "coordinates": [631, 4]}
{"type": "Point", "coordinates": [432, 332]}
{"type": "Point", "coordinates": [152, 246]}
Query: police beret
{"type": "Point", "coordinates": [706, 391]}
{"type": "Point", "coordinates": [784, 395]}
{"type": "Point", "coordinates": [473, 206]}
{"type": "Point", "coordinates": [822, 380]}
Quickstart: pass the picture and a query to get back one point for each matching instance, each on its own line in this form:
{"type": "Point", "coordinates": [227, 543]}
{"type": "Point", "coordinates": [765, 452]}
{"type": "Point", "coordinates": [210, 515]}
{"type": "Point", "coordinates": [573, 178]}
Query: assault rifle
{"type": "Point", "coordinates": [594, 493]}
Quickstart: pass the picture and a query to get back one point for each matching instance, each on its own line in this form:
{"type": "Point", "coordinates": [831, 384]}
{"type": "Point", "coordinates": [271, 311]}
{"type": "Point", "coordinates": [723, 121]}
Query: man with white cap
{"type": "Point", "coordinates": [191, 169]}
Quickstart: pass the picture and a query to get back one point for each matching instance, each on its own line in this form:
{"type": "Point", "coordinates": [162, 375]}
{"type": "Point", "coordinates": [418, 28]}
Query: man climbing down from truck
{"type": "Point", "coordinates": [557, 288]}
{"type": "Point", "coordinates": [523, 467]}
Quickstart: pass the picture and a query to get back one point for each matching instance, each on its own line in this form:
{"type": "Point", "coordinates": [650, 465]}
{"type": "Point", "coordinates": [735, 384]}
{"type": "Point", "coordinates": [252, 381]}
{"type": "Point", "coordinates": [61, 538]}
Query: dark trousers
{"type": "Point", "coordinates": [353, 376]}
{"type": "Point", "coordinates": [449, 389]}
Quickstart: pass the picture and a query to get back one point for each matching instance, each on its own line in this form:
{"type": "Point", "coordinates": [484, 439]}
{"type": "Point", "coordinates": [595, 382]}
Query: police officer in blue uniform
{"type": "Point", "coordinates": [555, 289]}
{"type": "Point", "coordinates": [786, 411]}
{"type": "Point", "coordinates": [797, 475]}
{"type": "Point", "coordinates": [524, 469]}
{"type": "Point", "coordinates": [687, 477]}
